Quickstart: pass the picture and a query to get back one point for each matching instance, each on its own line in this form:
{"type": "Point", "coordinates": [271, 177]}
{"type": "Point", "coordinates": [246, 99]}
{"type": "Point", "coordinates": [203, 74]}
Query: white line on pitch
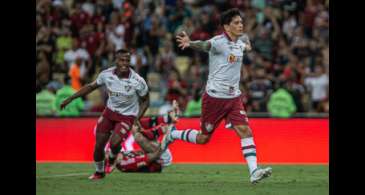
{"type": "Point", "coordinates": [63, 175]}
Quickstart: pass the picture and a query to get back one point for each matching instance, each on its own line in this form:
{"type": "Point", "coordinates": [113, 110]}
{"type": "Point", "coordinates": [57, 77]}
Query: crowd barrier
{"type": "Point", "coordinates": [278, 141]}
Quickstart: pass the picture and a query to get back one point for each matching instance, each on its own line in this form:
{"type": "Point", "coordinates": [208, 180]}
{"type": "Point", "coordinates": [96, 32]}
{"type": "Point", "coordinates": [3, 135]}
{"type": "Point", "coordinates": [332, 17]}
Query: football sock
{"type": "Point", "coordinates": [186, 135]}
{"type": "Point", "coordinates": [99, 166]}
{"type": "Point", "coordinates": [249, 152]}
{"type": "Point", "coordinates": [113, 153]}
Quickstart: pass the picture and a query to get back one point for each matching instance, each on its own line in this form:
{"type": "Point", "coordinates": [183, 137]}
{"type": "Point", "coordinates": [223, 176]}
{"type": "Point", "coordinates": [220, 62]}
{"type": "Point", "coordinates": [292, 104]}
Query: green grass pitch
{"type": "Point", "coordinates": [182, 179]}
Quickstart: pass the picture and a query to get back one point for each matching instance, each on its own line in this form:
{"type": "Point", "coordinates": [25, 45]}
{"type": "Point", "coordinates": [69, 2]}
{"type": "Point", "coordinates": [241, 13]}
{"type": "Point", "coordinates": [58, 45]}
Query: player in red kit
{"type": "Point", "coordinates": [151, 158]}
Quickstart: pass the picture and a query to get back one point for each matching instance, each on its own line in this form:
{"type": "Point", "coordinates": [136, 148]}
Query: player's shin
{"type": "Point", "coordinates": [114, 153]}
{"type": "Point", "coordinates": [249, 152]}
{"type": "Point", "coordinates": [99, 166]}
{"type": "Point", "coordinates": [189, 135]}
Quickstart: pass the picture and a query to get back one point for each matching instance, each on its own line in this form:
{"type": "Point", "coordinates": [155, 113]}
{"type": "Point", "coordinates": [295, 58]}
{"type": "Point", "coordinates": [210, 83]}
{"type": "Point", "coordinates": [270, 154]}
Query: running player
{"type": "Point", "coordinates": [221, 99]}
{"type": "Point", "coordinates": [127, 102]}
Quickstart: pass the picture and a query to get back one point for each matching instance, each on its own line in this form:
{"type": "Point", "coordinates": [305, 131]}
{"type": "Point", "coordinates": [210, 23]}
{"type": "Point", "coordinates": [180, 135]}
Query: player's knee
{"type": "Point", "coordinates": [244, 131]}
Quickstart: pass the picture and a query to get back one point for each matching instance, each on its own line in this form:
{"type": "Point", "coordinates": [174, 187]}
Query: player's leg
{"type": "Point", "coordinates": [239, 120]}
{"type": "Point", "coordinates": [142, 140]}
{"type": "Point", "coordinates": [120, 133]}
{"type": "Point", "coordinates": [249, 152]}
{"type": "Point", "coordinates": [213, 112]}
{"type": "Point", "coordinates": [102, 135]}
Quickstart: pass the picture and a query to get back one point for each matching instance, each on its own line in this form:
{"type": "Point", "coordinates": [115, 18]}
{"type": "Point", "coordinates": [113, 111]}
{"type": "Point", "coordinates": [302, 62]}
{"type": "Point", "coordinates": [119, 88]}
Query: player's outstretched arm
{"type": "Point", "coordinates": [184, 42]}
{"type": "Point", "coordinates": [83, 91]}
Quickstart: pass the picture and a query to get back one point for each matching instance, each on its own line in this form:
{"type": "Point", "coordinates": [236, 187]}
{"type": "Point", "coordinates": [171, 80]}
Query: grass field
{"type": "Point", "coordinates": [71, 179]}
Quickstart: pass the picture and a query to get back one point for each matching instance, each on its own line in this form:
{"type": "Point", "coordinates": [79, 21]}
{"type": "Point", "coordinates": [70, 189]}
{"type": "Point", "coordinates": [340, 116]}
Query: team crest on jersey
{"type": "Point", "coordinates": [127, 87]}
{"type": "Point", "coordinates": [231, 58]}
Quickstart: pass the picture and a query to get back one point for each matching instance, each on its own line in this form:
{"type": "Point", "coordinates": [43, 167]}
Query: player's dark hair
{"type": "Point", "coordinates": [228, 15]}
{"type": "Point", "coordinates": [122, 51]}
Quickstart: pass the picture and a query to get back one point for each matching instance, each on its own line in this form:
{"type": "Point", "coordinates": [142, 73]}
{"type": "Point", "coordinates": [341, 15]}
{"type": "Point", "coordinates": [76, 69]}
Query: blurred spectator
{"type": "Point", "coordinates": [78, 55]}
{"type": "Point", "coordinates": [260, 89]}
{"type": "Point", "coordinates": [45, 101]}
{"type": "Point", "coordinates": [165, 61]}
{"type": "Point", "coordinates": [116, 37]}
{"type": "Point", "coordinates": [75, 74]}
{"type": "Point", "coordinates": [63, 44]}
{"type": "Point", "coordinates": [177, 15]}
{"type": "Point", "coordinates": [74, 108]}
{"type": "Point", "coordinates": [194, 106]}
{"type": "Point", "coordinates": [281, 103]}
{"type": "Point", "coordinates": [296, 90]}
{"type": "Point", "coordinates": [289, 39]}
{"type": "Point", "coordinates": [176, 89]}
{"type": "Point", "coordinates": [317, 84]}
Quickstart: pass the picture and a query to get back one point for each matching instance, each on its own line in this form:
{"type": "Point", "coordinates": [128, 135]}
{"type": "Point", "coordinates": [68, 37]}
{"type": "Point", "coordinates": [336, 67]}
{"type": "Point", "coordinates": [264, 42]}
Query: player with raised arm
{"type": "Point", "coordinates": [221, 99]}
{"type": "Point", "coordinates": [128, 100]}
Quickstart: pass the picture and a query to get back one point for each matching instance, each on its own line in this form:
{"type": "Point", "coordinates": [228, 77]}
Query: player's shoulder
{"type": "Point", "coordinates": [108, 70]}
{"type": "Point", "coordinates": [220, 37]}
{"type": "Point", "coordinates": [135, 76]}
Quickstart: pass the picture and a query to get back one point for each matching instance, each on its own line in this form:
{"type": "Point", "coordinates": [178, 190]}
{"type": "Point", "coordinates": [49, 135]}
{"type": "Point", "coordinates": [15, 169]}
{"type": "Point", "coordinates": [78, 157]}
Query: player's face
{"type": "Point", "coordinates": [122, 61]}
{"type": "Point", "coordinates": [236, 26]}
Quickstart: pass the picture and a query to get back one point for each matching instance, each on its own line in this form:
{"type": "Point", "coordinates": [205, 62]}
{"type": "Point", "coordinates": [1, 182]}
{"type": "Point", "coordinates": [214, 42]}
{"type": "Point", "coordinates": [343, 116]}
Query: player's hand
{"type": "Point", "coordinates": [183, 40]}
{"type": "Point", "coordinates": [248, 47]}
{"type": "Point", "coordinates": [137, 124]}
{"type": "Point", "coordinates": [65, 103]}
{"type": "Point", "coordinates": [174, 114]}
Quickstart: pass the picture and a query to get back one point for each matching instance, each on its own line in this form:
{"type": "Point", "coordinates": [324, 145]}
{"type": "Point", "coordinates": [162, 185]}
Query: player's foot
{"type": "Point", "coordinates": [166, 158]}
{"type": "Point", "coordinates": [109, 165]}
{"type": "Point", "coordinates": [167, 138]}
{"type": "Point", "coordinates": [259, 174]}
{"type": "Point", "coordinates": [97, 176]}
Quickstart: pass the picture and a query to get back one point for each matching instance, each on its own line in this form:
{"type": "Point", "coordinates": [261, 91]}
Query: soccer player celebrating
{"type": "Point", "coordinates": [221, 99]}
{"type": "Point", "coordinates": [127, 102]}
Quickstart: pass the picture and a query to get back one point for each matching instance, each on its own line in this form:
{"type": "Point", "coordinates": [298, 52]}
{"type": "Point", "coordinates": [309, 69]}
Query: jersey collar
{"type": "Point", "coordinates": [129, 74]}
{"type": "Point", "coordinates": [227, 36]}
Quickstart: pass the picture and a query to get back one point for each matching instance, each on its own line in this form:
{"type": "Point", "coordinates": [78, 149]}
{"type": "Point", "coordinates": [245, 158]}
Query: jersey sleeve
{"type": "Point", "coordinates": [142, 88]}
{"type": "Point", "coordinates": [213, 44]}
{"type": "Point", "coordinates": [100, 79]}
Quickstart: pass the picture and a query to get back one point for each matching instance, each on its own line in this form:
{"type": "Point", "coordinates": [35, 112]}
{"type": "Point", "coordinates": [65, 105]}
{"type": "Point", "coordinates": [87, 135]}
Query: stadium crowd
{"type": "Point", "coordinates": [287, 71]}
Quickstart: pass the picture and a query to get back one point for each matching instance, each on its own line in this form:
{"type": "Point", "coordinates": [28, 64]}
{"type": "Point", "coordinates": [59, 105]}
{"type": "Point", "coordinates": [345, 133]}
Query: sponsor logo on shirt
{"type": "Point", "coordinates": [231, 58]}
{"type": "Point", "coordinates": [127, 87]}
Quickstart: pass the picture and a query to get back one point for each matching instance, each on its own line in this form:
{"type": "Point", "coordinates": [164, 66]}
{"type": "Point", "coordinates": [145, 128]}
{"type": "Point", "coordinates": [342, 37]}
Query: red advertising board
{"type": "Point", "coordinates": [278, 141]}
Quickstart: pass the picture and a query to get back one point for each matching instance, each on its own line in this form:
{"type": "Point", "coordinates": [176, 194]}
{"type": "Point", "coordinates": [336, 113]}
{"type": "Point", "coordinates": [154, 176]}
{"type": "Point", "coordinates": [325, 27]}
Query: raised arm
{"type": "Point", "coordinates": [83, 91]}
{"type": "Point", "coordinates": [184, 42]}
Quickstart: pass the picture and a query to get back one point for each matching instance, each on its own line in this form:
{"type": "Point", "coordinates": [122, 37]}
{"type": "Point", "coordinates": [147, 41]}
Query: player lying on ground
{"type": "Point", "coordinates": [151, 158]}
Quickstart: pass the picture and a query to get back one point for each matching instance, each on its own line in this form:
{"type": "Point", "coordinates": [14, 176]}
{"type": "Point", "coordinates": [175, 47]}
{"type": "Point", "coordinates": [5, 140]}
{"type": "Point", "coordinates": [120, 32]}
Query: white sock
{"type": "Point", "coordinates": [249, 152]}
{"type": "Point", "coordinates": [111, 155]}
{"type": "Point", "coordinates": [99, 166]}
{"type": "Point", "coordinates": [188, 135]}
